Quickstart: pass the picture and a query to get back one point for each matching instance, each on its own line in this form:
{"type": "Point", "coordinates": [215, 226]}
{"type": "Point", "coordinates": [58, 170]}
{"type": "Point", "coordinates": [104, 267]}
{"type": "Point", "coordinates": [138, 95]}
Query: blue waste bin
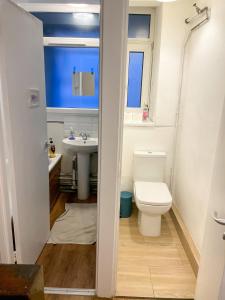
{"type": "Point", "coordinates": [125, 204]}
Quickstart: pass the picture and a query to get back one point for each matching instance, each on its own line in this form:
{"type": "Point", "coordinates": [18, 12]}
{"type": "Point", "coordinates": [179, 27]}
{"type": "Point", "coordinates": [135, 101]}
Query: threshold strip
{"type": "Point", "coordinates": [70, 291]}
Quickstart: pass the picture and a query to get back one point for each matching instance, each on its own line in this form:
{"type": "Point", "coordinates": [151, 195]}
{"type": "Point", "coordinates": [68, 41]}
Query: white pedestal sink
{"type": "Point", "coordinates": [83, 149]}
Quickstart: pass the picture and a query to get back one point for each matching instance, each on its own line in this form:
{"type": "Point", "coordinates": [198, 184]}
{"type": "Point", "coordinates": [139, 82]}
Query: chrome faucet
{"type": "Point", "coordinates": [84, 136]}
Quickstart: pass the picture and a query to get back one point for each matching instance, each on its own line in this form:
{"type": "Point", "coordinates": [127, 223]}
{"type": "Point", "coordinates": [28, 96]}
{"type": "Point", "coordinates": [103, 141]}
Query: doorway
{"type": "Point", "coordinates": [166, 266]}
{"type": "Point", "coordinates": [72, 73]}
{"type": "Point", "coordinates": [111, 77]}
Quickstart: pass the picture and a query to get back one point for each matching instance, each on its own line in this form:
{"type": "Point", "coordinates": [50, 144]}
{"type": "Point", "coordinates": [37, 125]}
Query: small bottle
{"type": "Point", "coordinates": [145, 114]}
{"type": "Point", "coordinates": [51, 148]}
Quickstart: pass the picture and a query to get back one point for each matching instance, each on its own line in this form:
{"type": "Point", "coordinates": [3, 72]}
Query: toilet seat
{"type": "Point", "coordinates": [152, 193]}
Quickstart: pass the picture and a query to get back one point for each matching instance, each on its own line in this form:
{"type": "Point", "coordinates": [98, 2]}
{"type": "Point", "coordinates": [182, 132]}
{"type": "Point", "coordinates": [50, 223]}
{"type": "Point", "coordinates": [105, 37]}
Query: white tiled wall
{"type": "Point", "coordinates": [87, 124]}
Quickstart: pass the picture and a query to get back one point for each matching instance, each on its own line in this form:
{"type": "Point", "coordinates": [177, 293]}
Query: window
{"type": "Point", "coordinates": [74, 45]}
{"type": "Point", "coordinates": [139, 26]}
{"type": "Point", "coordinates": [139, 57]}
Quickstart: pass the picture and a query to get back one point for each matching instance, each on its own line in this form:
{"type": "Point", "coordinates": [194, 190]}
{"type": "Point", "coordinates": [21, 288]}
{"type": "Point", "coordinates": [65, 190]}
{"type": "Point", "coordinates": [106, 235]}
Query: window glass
{"type": "Point", "coordinates": [135, 73]}
{"type": "Point", "coordinates": [60, 63]}
{"type": "Point", "coordinates": [83, 25]}
{"type": "Point", "coordinates": [139, 26]}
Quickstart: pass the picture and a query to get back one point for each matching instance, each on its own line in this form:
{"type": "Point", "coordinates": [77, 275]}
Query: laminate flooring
{"type": "Point", "coordinates": [69, 266]}
{"type": "Point", "coordinates": [156, 267]}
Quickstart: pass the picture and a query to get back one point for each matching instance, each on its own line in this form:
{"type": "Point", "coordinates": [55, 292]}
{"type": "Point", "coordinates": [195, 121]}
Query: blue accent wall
{"type": "Point", "coordinates": [65, 25]}
{"type": "Point", "coordinates": [59, 65]}
{"type": "Point", "coordinates": [135, 74]}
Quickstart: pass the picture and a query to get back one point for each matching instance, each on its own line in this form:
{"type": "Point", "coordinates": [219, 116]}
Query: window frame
{"type": "Point", "coordinates": [145, 45]}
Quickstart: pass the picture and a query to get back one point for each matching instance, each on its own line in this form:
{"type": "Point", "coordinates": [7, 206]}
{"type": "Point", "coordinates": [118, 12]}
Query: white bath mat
{"type": "Point", "coordinates": [77, 225]}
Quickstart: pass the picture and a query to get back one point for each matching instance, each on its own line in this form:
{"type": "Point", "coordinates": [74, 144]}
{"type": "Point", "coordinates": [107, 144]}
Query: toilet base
{"type": "Point", "coordinates": [149, 225]}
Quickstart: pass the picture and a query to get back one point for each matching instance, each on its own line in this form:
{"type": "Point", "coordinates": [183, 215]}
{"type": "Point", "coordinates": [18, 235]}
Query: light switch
{"type": "Point", "coordinates": [34, 98]}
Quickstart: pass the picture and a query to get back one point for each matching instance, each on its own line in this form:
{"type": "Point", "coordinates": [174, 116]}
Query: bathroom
{"type": "Point", "coordinates": [162, 239]}
{"type": "Point", "coordinates": [72, 125]}
{"type": "Point", "coordinates": [158, 139]}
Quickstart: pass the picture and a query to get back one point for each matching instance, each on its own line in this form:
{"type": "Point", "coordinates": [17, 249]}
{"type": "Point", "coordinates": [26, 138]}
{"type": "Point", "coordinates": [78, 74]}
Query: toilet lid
{"type": "Point", "coordinates": [152, 193]}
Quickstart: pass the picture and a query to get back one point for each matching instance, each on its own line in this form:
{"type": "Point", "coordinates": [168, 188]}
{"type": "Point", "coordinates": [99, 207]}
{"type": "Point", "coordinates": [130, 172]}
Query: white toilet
{"type": "Point", "coordinates": [152, 195]}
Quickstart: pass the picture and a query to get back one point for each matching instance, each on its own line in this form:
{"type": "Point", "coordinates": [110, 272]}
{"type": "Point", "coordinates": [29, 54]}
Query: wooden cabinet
{"type": "Point", "coordinates": [54, 183]}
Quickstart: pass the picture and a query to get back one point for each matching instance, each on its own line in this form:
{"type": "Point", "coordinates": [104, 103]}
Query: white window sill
{"type": "Point", "coordinates": [139, 124]}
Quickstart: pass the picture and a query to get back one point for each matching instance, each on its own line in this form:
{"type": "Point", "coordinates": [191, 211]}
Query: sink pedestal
{"type": "Point", "coordinates": [82, 148]}
{"type": "Point", "coordinates": [83, 170]}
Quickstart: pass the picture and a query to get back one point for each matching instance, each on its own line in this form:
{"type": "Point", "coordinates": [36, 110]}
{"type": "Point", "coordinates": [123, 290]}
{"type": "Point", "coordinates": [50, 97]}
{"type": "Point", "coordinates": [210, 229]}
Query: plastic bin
{"type": "Point", "coordinates": [125, 204]}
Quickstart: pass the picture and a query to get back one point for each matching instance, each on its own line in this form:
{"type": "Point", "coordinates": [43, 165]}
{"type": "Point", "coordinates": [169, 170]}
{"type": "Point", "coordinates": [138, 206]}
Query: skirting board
{"type": "Point", "coordinates": [186, 240]}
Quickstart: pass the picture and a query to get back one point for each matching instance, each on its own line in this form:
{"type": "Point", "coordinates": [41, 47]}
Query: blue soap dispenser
{"type": "Point", "coordinates": [72, 135]}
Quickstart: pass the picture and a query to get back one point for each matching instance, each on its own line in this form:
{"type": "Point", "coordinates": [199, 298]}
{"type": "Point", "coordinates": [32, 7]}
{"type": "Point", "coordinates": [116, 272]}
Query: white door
{"type": "Point", "coordinates": [24, 119]}
{"type": "Point", "coordinates": [209, 284]}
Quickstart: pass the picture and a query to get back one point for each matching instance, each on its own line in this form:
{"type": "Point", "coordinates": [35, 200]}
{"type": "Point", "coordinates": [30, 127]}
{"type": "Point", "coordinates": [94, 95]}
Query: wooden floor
{"type": "Point", "coordinates": [64, 297]}
{"type": "Point", "coordinates": [156, 268]}
{"type": "Point", "coordinates": [68, 265]}
{"type": "Point", "coordinates": [153, 267]}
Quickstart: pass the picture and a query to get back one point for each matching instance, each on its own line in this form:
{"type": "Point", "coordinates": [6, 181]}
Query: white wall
{"type": "Point", "coordinates": [203, 95]}
{"type": "Point", "coordinates": [170, 35]}
{"type": "Point", "coordinates": [169, 40]}
{"type": "Point", "coordinates": [140, 138]}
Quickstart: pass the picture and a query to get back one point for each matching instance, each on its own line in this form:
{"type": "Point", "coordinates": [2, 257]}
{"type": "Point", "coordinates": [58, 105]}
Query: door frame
{"type": "Point", "coordinates": [113, 74]}
{"type": "Point", "coordinates": [113, 49]}
{"type": "Point", "coordinates": [6, 247]}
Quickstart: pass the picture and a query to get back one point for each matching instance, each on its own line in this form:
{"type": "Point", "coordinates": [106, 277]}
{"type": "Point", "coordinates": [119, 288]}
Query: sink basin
{"type": "Point", "coordinates": [83, 149]}
{"type": "Point", "coordinates": [79, 145]}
